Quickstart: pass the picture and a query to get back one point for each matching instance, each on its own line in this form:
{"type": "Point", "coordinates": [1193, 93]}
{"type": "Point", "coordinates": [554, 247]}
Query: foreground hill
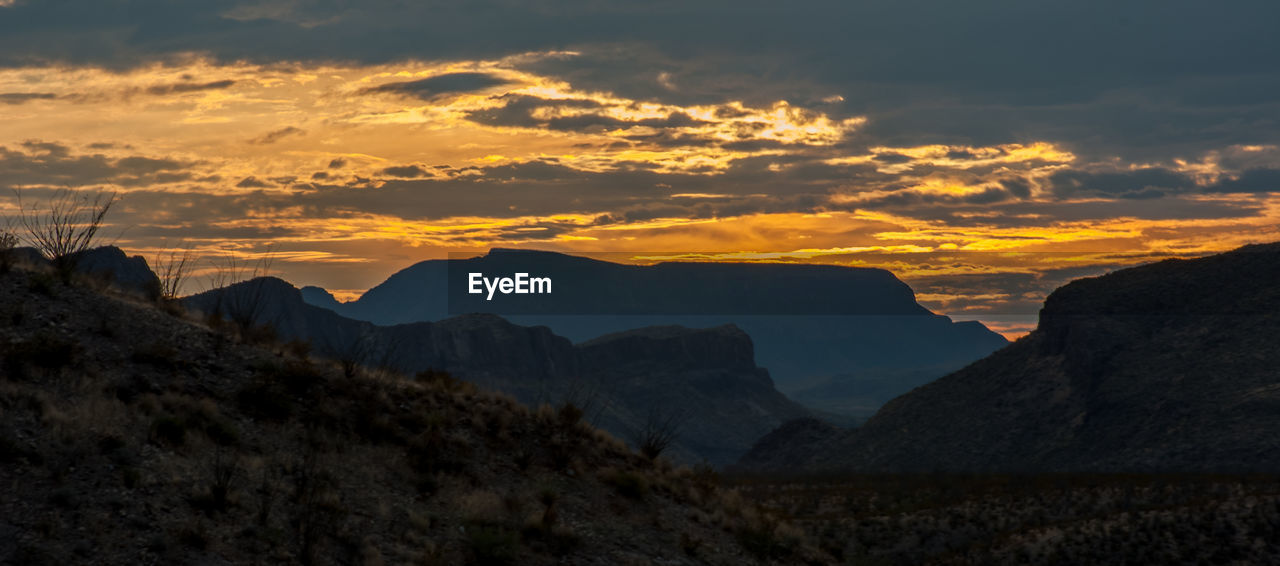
{"type": "Point", "coordinates": [839, 339]}
{"type": "Point", "coordinates": [130, 434]}
{"type": "Point", "coordinates": [703, 382]}
{"type": "Point", "coordinates": [1165, 367]}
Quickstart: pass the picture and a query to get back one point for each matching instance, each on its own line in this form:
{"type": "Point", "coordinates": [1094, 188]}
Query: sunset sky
{"type": "Point", "coordinates": [985, 152]}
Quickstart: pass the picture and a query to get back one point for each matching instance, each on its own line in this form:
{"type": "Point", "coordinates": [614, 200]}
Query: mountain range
{"type": "Point", "coordinates": [1170, 366]}
{"type": "Point", "coordinates": [702, 382]}
{"type": "Point", "coordinates": [841, 340]}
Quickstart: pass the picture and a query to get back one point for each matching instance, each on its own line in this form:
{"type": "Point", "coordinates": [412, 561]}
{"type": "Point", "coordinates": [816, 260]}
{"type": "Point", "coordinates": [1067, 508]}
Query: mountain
{"type": "Point", "coordinates": [703, 381]}
{"type": "Point", "coordinates": [840, 339]}
{"type": "Point", "coordinates": [134, 434]}
{"type": "Point", "coordinates": [1170, 366]}
{"type": "Point", "coordinates": [319, 297]}
{"type": "Point", "coordinates": [781, 448]}
{"type": "Point", "coordinates": [107, 264]}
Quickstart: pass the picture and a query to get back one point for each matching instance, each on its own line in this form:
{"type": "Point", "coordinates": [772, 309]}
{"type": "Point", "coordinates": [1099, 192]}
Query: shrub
{"type": "Point", "coordinates": [762, 540]}
{"type": "Point", "coordinates": [659, 431]}
{"type": "Point", "coordinates": [628, 484]}
{"type": "Point", "coordinates": [7, 242]}
{"type": "Point", "coordinates": [492, 546]}
{"type": "Point", "coordinates": [223, 472]}
{"type": "Point", "coordinates": [169, 430]}
{"type": "Point", "coordinates": [67, 224]}
{"type": "Point", "coordinates": [46, 350]}
{"type": "Point", "coordinates": [265, 399]}
{"type": "Point", "coordinates": [171, 271]}
{"type": "Point", "coordinates": [41, 283]}
{"type": "Point", "coordinates": [160, 355]}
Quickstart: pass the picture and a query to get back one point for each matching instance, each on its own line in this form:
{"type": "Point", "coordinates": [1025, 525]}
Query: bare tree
{"type": "Point", "coordinates": [172, 269]}
{"type": "Point", "coordinates": [378, 353]}
{"type": "Point", "coordinates": [246, 303]}
{"type": "Point", "coordinates": [67, 224]}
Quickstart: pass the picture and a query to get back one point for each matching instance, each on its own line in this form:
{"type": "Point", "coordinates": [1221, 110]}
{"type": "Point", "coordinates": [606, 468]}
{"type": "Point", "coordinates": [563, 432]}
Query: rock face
{"type": "Point", "coordinates": [706, 381]}
{"type": "Point", "coordinates": [841, 339]}
{"type": "Point", "coordinates": [1164, 367]}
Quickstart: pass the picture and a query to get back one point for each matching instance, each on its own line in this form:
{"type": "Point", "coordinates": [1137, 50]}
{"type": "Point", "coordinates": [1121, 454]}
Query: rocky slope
{"type": "Point", "coordinates": [703, 380]}
{"type": "Point", "coordinates": [131, 434]}
{"type": "Point", "coordinates": [1163, 367]}
{"type": "Point", "coordinates": [782, 448]}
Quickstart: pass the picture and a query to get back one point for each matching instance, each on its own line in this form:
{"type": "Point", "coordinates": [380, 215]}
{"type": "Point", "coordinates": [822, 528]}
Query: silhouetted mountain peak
{"type": "Point", "coordinates": [1163, 367]}
{"type": "Point", "coordinates": [319, 297]}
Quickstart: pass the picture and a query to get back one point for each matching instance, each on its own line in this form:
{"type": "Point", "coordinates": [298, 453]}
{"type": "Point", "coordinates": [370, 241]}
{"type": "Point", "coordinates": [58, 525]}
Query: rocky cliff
{"type": "Point", "coordinates": [1162, 367]}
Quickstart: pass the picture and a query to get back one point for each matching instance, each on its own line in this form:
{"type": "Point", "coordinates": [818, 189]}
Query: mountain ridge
{"type": "Point", "coordinates": [1162, 367]}
{"type": "Point", "coordinates": [839, 339]}
{"type": "Point", "coordinates": [627, 379]}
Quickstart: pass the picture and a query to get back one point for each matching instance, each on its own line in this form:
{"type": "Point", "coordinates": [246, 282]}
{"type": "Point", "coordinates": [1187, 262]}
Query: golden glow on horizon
{"type": "Point", "coordinates": [262, 132]}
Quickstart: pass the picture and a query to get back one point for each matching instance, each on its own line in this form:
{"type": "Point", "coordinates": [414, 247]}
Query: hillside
{"type": "Point", "coordinates": [705, 379]}
{"type": "Point", "coordinates": [838, 339]}
{"type": "Point", "coordinates": [134, 434]}
{"type": "Point", "coordinates": [1164, 367]}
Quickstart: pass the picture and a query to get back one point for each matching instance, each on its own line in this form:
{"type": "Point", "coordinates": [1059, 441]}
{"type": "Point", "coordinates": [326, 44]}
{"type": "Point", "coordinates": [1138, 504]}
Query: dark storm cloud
{"type": "Point", "coordinates": [1250, 181]}
{"type": "Point", "coordinates": [1104, 78]}
{"type": "Point", "coordinates": [439, 85]}
{"type": "Point", "coordinates": [1150, 182]}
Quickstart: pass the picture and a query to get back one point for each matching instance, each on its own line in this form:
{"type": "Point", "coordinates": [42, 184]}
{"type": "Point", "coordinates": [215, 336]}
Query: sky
{"type": "Point", "coordinates": [984, 152]}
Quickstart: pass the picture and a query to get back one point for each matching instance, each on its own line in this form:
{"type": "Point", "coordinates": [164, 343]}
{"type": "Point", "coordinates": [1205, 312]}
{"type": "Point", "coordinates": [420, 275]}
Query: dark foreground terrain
{"type": "Point", "coordinates": [1032, 519]}
{"type": "Point", "coordinates": [132, 433]}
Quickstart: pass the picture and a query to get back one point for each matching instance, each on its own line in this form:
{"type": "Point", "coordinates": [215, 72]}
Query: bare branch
{"type": "Point", "coordinates": [66, 224]}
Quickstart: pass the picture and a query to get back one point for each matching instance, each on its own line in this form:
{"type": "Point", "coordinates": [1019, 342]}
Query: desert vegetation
{"type": "Point", "coordinates": [64, 225]}
{"type": "Point", "coordinates": [1056, 519]}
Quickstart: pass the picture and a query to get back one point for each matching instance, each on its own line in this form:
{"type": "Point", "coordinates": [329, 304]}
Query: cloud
{"type": "Point", "coordinates": [1150, 182]}
{"type": "Point", "coordinates": [49, 164]}
{"type": "Point", "coordinates": [276, 135]}
{"type": "Point", "coordinates": [252, 182]}
{"type": "Point", "coordinates": [1250, 181]}
{"type": "Point", "coordinates": [440, 85]}
{"type": "Point", "coordinates": [185, 87]}
{"type": "Point", "coordinates": [24, 97]}
{"type": "Point", "coordinates": [405, 171]}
